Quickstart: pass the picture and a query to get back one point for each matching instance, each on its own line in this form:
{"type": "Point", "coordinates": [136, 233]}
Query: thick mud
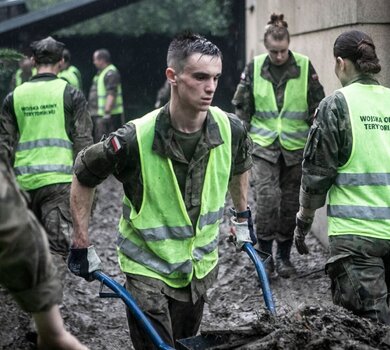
{"type": "Point", "coordinates": [236, 315]}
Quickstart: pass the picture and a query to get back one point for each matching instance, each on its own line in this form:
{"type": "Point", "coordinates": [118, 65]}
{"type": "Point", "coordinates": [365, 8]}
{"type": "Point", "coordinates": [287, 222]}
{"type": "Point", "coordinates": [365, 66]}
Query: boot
{"type": "Point", "coordinates": [265, 248]}
{"type": "Point", "coordinates": [284, 267]}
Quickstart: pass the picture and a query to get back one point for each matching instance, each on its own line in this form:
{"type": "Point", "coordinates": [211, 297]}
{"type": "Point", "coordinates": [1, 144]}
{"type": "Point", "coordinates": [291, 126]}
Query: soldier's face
{"type": "Point", "coordinates": [197, 82]}
{"type": "Point", "coordinates": [277, 50]}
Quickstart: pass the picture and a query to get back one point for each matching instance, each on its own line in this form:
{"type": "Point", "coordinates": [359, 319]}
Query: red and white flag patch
{"type": "Point", "coordinates": [116, 144]}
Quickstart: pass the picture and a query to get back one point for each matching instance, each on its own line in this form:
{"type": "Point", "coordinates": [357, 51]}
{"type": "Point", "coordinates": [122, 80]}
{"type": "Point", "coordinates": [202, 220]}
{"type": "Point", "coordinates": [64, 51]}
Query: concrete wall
{"type": "Point", "coordinates": [314, 25]}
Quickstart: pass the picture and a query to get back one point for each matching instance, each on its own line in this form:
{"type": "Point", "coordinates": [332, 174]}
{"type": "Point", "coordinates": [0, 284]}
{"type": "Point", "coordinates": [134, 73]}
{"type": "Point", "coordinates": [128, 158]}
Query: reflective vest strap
{"type": "Point", "coordinates": [359, 212]}
{"type": "Point", "coordinates": [376, 179]}
{"type": "Point", "coordinates": [46, 168]}
{"type": "Point", "coordinates": [44, 143]}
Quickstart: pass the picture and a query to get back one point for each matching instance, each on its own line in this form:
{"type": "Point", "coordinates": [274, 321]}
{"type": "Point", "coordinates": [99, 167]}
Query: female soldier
{"type": "Point", "coordinates": [277, 96]}
{"type": "Point", "coordinates": [347, 156]}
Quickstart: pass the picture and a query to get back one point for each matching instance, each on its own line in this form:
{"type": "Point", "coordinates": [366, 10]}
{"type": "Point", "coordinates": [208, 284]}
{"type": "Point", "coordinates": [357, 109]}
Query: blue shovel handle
{"type": "Point", "coordinates": [134, 309]}
{"type": "Point", "coordinates": [267, 294]}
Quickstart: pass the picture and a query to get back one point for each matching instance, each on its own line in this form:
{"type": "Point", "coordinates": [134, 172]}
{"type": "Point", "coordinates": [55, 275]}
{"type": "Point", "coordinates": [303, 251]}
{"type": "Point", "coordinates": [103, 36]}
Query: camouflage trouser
{"type": "Point", "coordinates": [51, 205]}
{"type": "Point", "coordinates": [359, 271]}
{"type": "Point", "coordinates": [277, 198]}
{"type": "Point", "coordinates": [172, 319]}
{"type": "Point", "coordinates": [26, 268]}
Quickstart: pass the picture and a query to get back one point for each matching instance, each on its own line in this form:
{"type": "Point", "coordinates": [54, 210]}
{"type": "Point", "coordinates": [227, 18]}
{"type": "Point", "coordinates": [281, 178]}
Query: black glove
{"type": "Point", "coordinates": [244, 231]}
{"type": "Point", "coordinates": [83, 262]}
{"type": "Point", "coordinates": [303, 226]}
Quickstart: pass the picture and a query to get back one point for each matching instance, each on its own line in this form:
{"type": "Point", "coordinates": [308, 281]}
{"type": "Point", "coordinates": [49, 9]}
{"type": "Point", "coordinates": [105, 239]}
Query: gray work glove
{"type": "Point", "coordinates": [83, 262]}
{"type": "Point", "coordinates": [303, 226]}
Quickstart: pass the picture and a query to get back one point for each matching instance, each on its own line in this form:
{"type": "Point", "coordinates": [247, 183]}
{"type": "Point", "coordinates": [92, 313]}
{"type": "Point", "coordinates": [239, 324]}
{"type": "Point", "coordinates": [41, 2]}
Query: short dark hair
{"type": "Point", "coordinates": [187, 44]}
{"type": "Point", "coordinates": [277, 28]}
{"type": "Point", "coordinates": [47, 51]}
{"type": "Point", "coordinates": [360, 49]}
{"type": "Point", "coordinates": [103, 54]}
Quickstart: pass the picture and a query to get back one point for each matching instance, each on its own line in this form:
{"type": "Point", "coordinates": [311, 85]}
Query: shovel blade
{"type": "Point", "coordinates": [201, 342]}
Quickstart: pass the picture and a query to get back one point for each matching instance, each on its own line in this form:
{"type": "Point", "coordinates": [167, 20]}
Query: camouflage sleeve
{"type": "Point", "coordinates": [328, 147]}
{"type": "Point", "coordinates": [8, 130]}
{"type": "Point", "coordinates": [241, 146]}
{"type": "Point", "coordinates": [315, 92]}
{"type": "Point", "coordinates": [78, 120]}
{"type": "Point", "coordinates": [111, 80]}
{"type": "Point", "coordinates": [115, 155]}
{"type": "Point", "coordinates": [243, 98]}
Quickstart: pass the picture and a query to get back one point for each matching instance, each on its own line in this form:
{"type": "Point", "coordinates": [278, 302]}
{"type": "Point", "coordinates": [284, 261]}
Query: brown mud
{"type": "Point", "coordinates": [236, 312]}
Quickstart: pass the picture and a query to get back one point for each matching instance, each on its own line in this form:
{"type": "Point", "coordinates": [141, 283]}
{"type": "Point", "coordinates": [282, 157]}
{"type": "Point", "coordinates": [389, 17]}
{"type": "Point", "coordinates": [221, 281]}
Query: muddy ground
{"type": "Point", "coordinates": [306, 317]}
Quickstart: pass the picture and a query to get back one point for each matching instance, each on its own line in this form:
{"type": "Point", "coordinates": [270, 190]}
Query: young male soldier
{"type": "Point", "coordinates": [176, 164]}
{"type": "Point", "coordinates": [105, 96]}
{"type": "Point", "coordinates": [26, 268]}
{"type": "Point", "coordinates": [44, 124]}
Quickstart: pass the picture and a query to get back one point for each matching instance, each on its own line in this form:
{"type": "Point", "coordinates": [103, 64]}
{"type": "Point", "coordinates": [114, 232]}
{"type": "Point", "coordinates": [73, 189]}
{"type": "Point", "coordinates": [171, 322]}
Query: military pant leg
{"type": "Point", "coordinates": [357, 272]}
{"type": "Point", "coordinates": [171, 319]}
{"type": "Point", "coordinates": [266, 182]}
{"type": "Point", "coordinates": [26, 269]}
{"type": "Point", "coordinates": [52, 205]}
{"type": "Point", "coordinates": [290, 182]}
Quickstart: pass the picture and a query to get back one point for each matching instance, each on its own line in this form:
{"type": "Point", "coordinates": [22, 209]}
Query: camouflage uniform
{"type": "Point", "coordinates": [277, 171]}
{"type": "Point", "coordinates": [359, 266]}
{"type": "Point", "coordinates": [102, 126]}
{"type": "Point", "coordinates": [98, 161]}
{"type": "Point", "coordinates": [26, 268]}
{"type": "Point", "coordinates": [51, 203]}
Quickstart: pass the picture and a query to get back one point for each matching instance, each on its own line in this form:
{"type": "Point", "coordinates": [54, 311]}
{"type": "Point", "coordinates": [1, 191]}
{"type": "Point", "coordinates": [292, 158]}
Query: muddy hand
{"type": "Point", "coordinates": [303, 226]}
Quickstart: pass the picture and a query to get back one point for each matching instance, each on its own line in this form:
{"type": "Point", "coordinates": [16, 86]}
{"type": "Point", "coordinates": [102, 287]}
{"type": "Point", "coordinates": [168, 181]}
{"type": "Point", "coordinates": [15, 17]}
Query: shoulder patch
{"type": "Point", "coordinates": [314, 76]}
{"type": "Point", "coordinates": [242, 77]}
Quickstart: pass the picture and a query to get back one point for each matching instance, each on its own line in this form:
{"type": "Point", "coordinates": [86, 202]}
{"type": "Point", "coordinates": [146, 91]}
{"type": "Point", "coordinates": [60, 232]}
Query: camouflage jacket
{"type": "Point", "coordinates": [244, 103]}
{"type": "Point", "coordinates": [328, 147]}
{"type": "Point", "coordinates": [78, 122]}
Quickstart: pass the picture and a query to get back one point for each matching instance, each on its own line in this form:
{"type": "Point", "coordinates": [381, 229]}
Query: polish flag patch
{"type": "Point", "coordinates": [116, 144]}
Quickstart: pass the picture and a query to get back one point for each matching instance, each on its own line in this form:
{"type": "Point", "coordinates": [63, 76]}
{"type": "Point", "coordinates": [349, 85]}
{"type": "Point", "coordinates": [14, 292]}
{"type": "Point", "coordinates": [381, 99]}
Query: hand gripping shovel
{"type": "Point", "coordinates": [121, 292]}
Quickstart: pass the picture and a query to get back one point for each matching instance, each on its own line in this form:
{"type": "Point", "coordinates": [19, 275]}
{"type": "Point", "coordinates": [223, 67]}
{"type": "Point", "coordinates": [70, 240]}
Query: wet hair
{"type": "Point", "coordinates": [187, 44]}
{"type": "Point", "coordinates": [66, 55]}
{"type": "Point", "coordinates": [360, 49]}
{"type": "Point", "coordinates": [103, 54]}
{"type": "Point", "coordinates": [277, 28]}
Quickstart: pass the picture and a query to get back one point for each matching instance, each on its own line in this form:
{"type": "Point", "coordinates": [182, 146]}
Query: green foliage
{"type": "Point", "coordinates": [154, 16]}
{"type": "Point", "coordinates": [9, 55]}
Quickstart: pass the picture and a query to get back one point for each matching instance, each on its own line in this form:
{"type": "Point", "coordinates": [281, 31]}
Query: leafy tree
{"type": "Point", "coordinates": [154, 16]}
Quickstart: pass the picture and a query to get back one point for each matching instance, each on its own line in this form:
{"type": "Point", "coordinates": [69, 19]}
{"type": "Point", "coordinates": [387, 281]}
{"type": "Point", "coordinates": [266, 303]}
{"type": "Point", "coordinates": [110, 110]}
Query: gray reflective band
{"type": "Point", "coordinates": [263, 132]}
{"type": "Point", "coordinates": [266, 115]}
{"type": "Point", "coordinates": [150, 260]}
{"type": "Point", "coordinates": [294, 135]}
{"type": "Point", "coordinates": [294, 115]}
{"type": "Point", "coordinates": [210, 218]}
{"type": "Point", "coordinates": [126, 210]}
{"type": "Point", "coordinates": [44, 143]}
{"type": "Point", "coordinates": [359, 212]}
{"type": "Point", "coordinates": [377, 179]}
{"type": "Point", "coordinates": [47, 168]}
{"type": "Point", "coordinates": [164, 232]}
{"type": "Point", "coordinates": [200, 252]}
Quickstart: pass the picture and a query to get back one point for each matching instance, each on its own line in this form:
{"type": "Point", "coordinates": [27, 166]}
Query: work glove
{"type": "Point", "coordinates": [83, 262]}
{"type": "Point", "coordinates": [242, 232]}
{"type": "Point", "coordinates": [303, 226]}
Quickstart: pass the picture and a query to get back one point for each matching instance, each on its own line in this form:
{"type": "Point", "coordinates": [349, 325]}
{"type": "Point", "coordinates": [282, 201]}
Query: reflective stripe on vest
{"type": "Point", "coordinates": [290, 124]}
{"type": "Point", "coordinates": [359, 199]}
{"type": "Point", "coordinates": [102, 93]}
{"type": "Point", "coordinates": [159, 241]}
{"type": "Point", "coordinates": [44, 153]}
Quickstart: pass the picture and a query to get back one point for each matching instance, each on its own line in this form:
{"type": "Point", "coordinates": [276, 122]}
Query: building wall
{"type": "Point", "coordinates": [314, 25]}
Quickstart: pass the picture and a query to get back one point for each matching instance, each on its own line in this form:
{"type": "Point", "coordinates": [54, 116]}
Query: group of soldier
{"type": "Point", "coordinates": [177, 164]}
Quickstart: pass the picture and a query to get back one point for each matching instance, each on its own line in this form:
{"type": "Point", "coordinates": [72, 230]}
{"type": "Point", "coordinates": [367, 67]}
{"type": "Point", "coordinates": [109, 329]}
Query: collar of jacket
{"type": "Point", "coordinates": [292, 69]}
{"type": "Point", "coordinates": [364, 79]}
{"type": "Point", "coordinates": [163, 143]}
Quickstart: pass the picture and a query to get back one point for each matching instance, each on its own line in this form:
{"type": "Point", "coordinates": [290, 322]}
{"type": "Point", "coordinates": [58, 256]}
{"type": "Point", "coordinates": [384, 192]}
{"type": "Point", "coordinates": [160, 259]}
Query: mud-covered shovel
{"type": "Point", "coordinates": [121, 292]}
